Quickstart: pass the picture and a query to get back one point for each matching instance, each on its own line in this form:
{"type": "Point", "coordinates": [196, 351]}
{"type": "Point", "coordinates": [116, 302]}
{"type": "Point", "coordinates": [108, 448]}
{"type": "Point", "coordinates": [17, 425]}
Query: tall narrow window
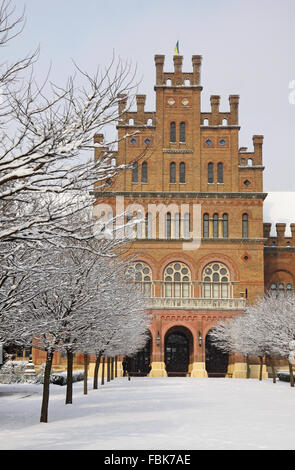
{"type": "Point", "coordinates": [245, 226]}
{"type": "Point", "coordinates": [215, 225]}
{"type": "Point", "coordinates": [210, 173]}
{"type": "Point", "coordinates": [148, 225]}
{"type": "Point", "coordinates": [168, 225]}
{"type": "Point", "coordinates": [182, 132]}
{"type": "Point", "coordinates": [206, 225]}
{"type": "Point", "coordinates": [144, 172]}
{"type": "Point", "coordinates": [225, 225]}
{"type": "Point", "coordinates": [177, 225]}
{"type": "Point", "coordinates": [135, 173]}
{"type": "Point", "coordinates": [220, 173]}
{"type": "Point", "coordinates": [186, 225]}
{"type": "Point", "coordinates": [172, 132]}
{"type": "Point", "coordinates": [172, 172]}
{"type": "Point", "coordinates": [182, 172]}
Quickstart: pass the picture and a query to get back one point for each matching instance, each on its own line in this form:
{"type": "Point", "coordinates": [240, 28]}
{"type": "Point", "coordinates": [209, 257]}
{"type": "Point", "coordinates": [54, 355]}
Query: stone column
{"type": "Point", "coordinates": [158, 368]}
{"type": "Point", "coordinates": [199, 364]}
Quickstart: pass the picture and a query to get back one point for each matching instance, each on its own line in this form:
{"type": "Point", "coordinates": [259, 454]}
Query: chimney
{"type": "Point", "coordinates": [159, 62]}
{"type": "Point", "coordinates": [178, 80]}
{"type": "Point", "coordinates": [197, 62]}
{"type": "Point", "coordinates": [122, 103]}
{"type": "Point", "coordinates": [215, 101]}
{"type": "Point", "coordinates": [234, 109]}
{"type": "Point", "coordinates": [140, 101]}
{"type": "Point", "coordinates": [281, 234]}
{"type": "Point", "coordinates": [258, 142]}
{"type": "Point", "coordinates": [266, 230]}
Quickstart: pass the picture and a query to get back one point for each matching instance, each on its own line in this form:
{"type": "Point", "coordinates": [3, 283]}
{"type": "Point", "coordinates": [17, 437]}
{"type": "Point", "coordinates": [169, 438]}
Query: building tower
{"type": "Point", "coordinates": [200, 251]}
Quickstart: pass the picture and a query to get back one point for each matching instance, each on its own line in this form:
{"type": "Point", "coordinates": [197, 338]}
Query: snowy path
{"type": "Point", "coordinates": [152, 413]}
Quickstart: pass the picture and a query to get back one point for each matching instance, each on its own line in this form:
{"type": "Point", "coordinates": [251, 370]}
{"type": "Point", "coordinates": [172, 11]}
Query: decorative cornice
{"type": "Point", "coordinates": [179, 195]}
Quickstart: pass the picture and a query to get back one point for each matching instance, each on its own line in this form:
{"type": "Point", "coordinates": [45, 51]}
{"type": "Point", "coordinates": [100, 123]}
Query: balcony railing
{"type": "Point", "coordinates": [198, 304]}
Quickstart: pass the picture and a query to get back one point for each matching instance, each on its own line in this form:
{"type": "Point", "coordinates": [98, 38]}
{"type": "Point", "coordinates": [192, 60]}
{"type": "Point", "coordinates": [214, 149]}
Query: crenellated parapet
{"type": "Point", "coordinates": [178, 78]}
{"type": "Point", "coordinates": [280, 239]}
{"type": "Point", "coordinates": [137, 118]}
{"type": "Point", "coordinates": [217, 118]}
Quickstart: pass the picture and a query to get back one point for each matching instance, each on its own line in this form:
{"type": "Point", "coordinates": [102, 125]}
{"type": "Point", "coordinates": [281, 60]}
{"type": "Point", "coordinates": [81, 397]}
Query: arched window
{"type": "Point", "coordinates": [177, 279]}
{"type": "Point", "coordinates": [216, 281]}
{"type": "Point", "coordinates": [182, 172]}
{"type": "Point", "coordinates": [173, 172]}
{"type": "Point", "coordinates": [215, 225]}
{"type": "Point", "coordinates": [141, 274]}
{"type": "Point", "coordinates": [225, 225]}
{"type": "Point", "coordinates": [182, 132]}
{"type": "Point", "coordinates": [210, 173]}
{"type": "Point", "coordinates": [206, 225]}
{"type": "Point", "coordinates": [186, 225]}
{"type": "Point", "coordinates": [206, 122]}
{"type": "Point", "coordinates": [144, 172]}
{"type": "Point", "coordinates": [224, 122]}
{"type": "Point", "coordinates": [220, 173]}
{"type": "Point", "coordinates": [168, 225]}
{"type": "Point", "coordinates": [273, 289]}
{"type": "Point", "coordinates": [172, 132]}
{"type": "Point", "coordinates": [245, 226]}
{"type": "Point", "coordinates": [135, 172]}
{"type": "Point", "coordinates": [250, 162]}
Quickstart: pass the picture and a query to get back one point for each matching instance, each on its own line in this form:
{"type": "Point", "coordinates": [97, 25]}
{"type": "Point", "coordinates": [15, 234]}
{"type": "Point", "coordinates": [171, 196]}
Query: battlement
{"type": "Point", "coordinates": [137, 118]}
{"type": "Point", "coordinates": [280, 239]}
{"type": "Point", "coordinates": [252, 159]}
{"type": "Point", "coordinates": [178, 78]}
{"type": "Point", "coordinates": [215, 118]}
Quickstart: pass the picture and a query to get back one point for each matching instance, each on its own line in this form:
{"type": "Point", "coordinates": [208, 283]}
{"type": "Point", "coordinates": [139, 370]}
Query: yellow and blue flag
{"type": "Point", "coordinates": [176, 49]}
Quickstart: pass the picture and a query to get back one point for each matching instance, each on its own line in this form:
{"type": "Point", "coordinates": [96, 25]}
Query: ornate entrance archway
{"type": "Point", "coordinates": [216, 360]}
{"type": "Point", "coordinates": [178, 349]}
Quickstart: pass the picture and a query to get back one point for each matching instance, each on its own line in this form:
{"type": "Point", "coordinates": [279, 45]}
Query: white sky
{"type": "Point", "coordinates": [247, 48]}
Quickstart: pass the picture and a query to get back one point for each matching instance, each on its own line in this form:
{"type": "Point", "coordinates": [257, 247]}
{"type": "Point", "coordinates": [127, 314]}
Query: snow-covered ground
{"type": "Point", "coordinates": [152, 413]}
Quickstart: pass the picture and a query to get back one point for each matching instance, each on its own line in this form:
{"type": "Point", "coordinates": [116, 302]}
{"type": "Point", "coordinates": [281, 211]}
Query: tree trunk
{"type": "Point", "coordinates": [112, 368]}
{"type": "Point", "coordinates": [273, 370]}
{"type": "Point", "coordinates": [96, 369]}
{"type": "Point", "coordinates": [45, 398]}
{"type": "Point", "coordinates": [291, 375]}
{"type": "Point", "coordinates": [260, 369]}
{"type": "Point", "coordinates": [108, 370]}
{"type": "Point", "coordinates": [102, 370]}
{"type": "Point", "coordinates": [85, 373]}
{"type": "Point", "coordinates": [248, 366]}
{"type": "Point", "coordinates": [69, 394]}
{"type": "Point", "coordinates": [116, 366]}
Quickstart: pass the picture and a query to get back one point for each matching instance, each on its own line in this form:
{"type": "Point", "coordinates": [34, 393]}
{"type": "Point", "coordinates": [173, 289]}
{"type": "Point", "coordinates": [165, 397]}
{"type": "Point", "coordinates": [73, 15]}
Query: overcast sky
{"type": "Point", "coordinates": [247, 48]}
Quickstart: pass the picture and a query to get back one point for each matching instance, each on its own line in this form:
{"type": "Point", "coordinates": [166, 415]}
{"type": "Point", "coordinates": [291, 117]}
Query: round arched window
{"type": "Point", "coordinates": [216, 280]}
{"type": "Point", "coordinates": [177, 278]}
{"type": "Point", "coordinates": [141, 273]}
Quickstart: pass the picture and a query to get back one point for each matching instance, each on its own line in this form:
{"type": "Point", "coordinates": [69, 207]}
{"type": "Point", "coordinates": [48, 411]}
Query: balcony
{"type": "Point", "coordinates": [197, 304]}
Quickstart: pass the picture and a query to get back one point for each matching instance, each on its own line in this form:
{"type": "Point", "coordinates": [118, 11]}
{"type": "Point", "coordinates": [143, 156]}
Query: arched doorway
{"type": "Point", "coordinates": [178, 348]}
{"type": "Point", "coordinates": [216, 360]}
{"type": "Point", "coordinates": [139, 364]}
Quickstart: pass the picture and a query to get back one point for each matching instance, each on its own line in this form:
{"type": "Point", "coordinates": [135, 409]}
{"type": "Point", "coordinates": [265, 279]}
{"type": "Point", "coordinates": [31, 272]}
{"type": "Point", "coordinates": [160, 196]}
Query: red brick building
{"type": "Point", "coordinates": [203, 251]}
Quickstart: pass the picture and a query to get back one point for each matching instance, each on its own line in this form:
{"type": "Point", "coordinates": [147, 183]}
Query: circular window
{"type": "Point", "coordinates": [222, 142]}
{"type": "Point", "coordinates": [208, 142]}
{"type": "Point", "coordinates": [133, 141]}
{"type": "Point", "coordinates": [147, 141]}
